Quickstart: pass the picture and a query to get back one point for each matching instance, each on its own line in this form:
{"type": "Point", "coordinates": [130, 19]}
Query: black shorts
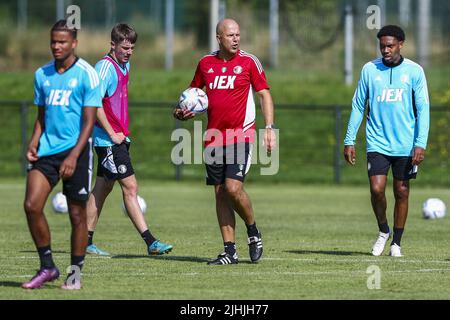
{"type": "Point", "coordinates": [232, 161]}
{"type": "Point", "coordinates": [78, 186]}
{"type": "Point", "coordinates": [114, 163]}
{"type": "Point", "coordinates": [379, 164]}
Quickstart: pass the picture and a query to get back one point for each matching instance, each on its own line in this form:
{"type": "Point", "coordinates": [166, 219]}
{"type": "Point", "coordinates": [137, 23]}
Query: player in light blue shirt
{"type": "Point", "coordinates": [394, 92]}
{"type": "Point", "coordinates": [64, 96]}
{"type": "Point", "coordinates": [67, 95]}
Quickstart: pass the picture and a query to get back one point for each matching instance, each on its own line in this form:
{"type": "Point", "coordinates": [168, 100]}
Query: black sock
{"type": "Point", "coordinates": [77, 261]}
{"type": "Point", "coordinates": [90, 237]}
{"type": "Point", "coordinates": [252, 231]}
{"type": "Point", "coordinates": [45, 255]}
{"type": "Point", "coordinates": [398, 232]}
{"type": "Point", "coordinates": [148, 237]}
{"type": "Point", "coordinates": [384, 227]}
{"type": "Point", "coordinates": [230, 248]}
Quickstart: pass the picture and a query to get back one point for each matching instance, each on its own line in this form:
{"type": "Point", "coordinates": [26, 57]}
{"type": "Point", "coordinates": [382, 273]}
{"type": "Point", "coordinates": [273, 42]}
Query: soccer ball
{"type": "Point", "coordinates": [141, 202]}
{"type": "Point", "coordinates": [59, 203]}
{"type": "Point", "coordinates": [434, 208]}
{"type": "Point", "coordinates": [193, 99]}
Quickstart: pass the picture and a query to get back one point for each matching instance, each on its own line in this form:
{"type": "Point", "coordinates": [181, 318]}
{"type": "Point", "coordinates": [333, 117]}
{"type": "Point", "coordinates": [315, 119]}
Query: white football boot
{"type": "Point", "coordinates": [395, 250]}
{"type": "Point", "coordinates": [379, 245]}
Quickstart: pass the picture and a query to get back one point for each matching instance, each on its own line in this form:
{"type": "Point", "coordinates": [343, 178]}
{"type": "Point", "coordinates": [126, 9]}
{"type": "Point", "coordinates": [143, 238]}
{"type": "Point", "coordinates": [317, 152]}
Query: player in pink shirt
{"type": "Point", "coordinates": [112, 142]}
{"type": "Point", "coordinates": [229, 77]}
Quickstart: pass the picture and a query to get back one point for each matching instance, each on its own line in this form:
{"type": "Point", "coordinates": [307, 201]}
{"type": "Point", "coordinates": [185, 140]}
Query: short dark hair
{"type": "Point", "coordinates": [123, 31]}
{"type": "Point", "coordinates": [393, 31]}
{"type": "Point", "coordinates": [61, 25]}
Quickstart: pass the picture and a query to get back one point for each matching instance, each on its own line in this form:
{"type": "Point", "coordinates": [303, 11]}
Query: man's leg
{"type": "Point", "coordinates": [227, 225]}
{"type": "Point", "coordinates": [78, 242]}
{"type": "Point", "coordinates": [378, 200]}
{"type": "Point", "coordinates": [225, 214]}
{"type": "Point", "coordinates": [94, 207]}
{"type": "Point", "coordinates": [130, 192]}
{"type": "Point", "coordinates": [378, 197]}
{"type": "Point", "coordinates": [240, 201]}
{"type": "Point", "coordinates": [401, 194]}
{"type": "Point", "coordinates": [37, 190]}
{"type": "Point", "coordinates": [96, 201]}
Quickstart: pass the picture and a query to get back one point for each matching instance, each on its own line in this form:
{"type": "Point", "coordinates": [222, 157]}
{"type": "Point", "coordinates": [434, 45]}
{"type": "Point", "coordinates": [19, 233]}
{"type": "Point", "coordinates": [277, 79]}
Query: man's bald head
{"type": "Point", "coordinates": [228, 37]}
{"type": "Point", "coordinates": [224, 24]}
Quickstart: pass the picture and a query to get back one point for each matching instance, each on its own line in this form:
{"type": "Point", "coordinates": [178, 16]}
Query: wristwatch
{"type": "Point", "coordinates": [270, 126]}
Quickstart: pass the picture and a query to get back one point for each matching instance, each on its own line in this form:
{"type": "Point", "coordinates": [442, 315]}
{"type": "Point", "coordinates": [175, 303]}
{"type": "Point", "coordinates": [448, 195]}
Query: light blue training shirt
{"type": "Point", "coordinates": [64, 96]}
{"type": "Point", "coordinates": [399, 108]}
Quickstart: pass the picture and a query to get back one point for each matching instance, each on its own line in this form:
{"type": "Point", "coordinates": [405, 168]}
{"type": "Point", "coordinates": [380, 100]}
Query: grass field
{"type": "Point", "coordinates": [317, 241]}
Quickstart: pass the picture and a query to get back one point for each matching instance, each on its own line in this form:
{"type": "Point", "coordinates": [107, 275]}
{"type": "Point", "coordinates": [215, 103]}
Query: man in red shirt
{"type": "Point", "coordinates": [229, 77]}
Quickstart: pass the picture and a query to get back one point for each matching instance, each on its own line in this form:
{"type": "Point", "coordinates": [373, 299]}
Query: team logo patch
{"type": "Point", "coordinates": [369, 166]}
{"type": "Point", "coordinates": [122, 168]}
{"type": "Point", "coordinates": [404, 78]}
{"type": "Point", "coordinates": [237, 70]}
{"type": "Point", "coordinates": [224, 69]}
{"type": "Point", "coordinates": [73, 82]}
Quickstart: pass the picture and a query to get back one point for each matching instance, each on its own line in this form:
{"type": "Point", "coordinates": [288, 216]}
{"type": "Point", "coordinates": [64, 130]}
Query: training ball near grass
{"type": "Point", "coordinates": [142, 205]}
{"type": "Point", "coordinates": [59, 203]}
{"type": "Point", "coordinates": [434, 208]}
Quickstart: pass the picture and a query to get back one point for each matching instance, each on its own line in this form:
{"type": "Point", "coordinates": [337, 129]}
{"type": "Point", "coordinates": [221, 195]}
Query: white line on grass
{"type": "Point", "coordinates": [353, 260]}
{"type": "Point", "coordinates": [255, 273]}
{"type": "Point", "coordinates": [383, 259]}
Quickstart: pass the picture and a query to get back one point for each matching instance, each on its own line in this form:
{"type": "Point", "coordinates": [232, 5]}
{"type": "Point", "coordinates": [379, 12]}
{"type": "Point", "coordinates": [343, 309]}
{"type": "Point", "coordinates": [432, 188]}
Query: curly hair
{"type": "Point", "coordinates": [61, 25]}
{"type": "Point", "coordinates": [393, 31]}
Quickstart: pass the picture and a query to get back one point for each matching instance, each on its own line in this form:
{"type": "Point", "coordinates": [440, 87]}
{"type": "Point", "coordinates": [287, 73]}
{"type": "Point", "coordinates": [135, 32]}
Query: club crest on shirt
{"type": "Point", "coordinates": [224, 69]}
{"type": "Point", "coordinates": [404, 78]}
{"type": "Point", "coordinates": [73, 82]}
{"type": "Point", "coordinates": [237, 70]}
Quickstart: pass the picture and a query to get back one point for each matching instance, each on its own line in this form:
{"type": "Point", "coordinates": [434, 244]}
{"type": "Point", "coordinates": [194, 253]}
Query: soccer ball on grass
{"type": "Point", "coordinates": [59, 203]}
{"type": "Point", "coordinates": [434, 208]}
{"type": "Point", "coordinates": [142, 205]}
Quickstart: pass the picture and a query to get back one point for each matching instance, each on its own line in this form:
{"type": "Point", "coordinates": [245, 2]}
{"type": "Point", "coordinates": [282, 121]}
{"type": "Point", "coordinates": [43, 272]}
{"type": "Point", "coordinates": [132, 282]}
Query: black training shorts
{"type": "Point", "coordinates": [78, 186]}
{"type": "Point", "coordinates": [231, 161]}
{"type": "Point", "coordinates": [114, 163]}
{"type": "Point", "coordinates": [379, 164]}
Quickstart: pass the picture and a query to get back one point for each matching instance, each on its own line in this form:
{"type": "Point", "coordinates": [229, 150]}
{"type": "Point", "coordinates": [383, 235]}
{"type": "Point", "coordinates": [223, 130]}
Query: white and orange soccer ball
{"type": "Point", "coordinates": [434, 208]}
{"type": "Point", "coordinates": [193, 99]}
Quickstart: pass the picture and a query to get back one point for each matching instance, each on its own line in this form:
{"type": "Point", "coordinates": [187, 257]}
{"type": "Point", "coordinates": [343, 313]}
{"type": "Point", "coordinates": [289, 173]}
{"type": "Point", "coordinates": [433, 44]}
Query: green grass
{"type": "Point", "coordinates": [316, 242]}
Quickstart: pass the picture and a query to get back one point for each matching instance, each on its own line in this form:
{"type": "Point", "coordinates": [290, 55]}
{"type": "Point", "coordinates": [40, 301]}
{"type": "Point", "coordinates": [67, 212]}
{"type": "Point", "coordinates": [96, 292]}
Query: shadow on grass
{"type": "Point", "coordinates": [170, 258]}
{"type": "Point", "coordinates": [13, 284]}
{"type": "Point", "coordinates": [34, 251]}
{"type": "Point", "coordinates": [331, 252]}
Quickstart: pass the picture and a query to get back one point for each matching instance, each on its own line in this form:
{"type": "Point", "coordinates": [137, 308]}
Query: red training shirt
{"type": "Point", "coordinates": [229, 86]}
